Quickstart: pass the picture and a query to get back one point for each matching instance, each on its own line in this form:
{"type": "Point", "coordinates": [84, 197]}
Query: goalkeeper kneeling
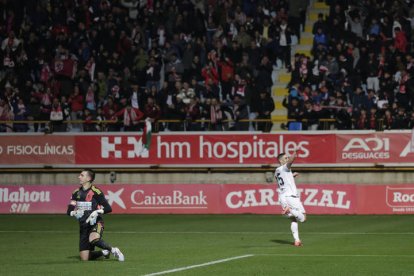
{"type": "Point", "coordinates": [88, 204]}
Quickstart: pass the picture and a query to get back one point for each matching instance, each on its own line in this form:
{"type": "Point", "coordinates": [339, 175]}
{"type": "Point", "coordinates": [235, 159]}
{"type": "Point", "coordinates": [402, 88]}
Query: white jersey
{"type": "Point", "coordinates": [285, 181]}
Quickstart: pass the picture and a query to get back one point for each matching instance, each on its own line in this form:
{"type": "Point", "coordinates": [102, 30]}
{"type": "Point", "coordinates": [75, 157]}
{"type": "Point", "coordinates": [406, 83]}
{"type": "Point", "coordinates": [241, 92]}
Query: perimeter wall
{"type": "Point", "coordinates": [340, 172]}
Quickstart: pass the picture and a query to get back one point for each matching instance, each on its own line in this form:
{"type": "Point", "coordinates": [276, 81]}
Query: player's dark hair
{"type": "Point", "coordinates": [280, 155]}
{"type": "Point", "coordinates": [91, 174]}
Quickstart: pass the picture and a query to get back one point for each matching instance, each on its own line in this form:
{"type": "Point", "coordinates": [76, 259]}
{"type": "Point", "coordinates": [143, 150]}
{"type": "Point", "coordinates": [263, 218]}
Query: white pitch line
{"type": "Point", "coordinates": [199, 265]}
{"type": "Point", "coordinates": [212, 232]}
{"type": "Point", "coordinates": [334, 255]}
{"type": "Point", "coordinates": [257, 233]}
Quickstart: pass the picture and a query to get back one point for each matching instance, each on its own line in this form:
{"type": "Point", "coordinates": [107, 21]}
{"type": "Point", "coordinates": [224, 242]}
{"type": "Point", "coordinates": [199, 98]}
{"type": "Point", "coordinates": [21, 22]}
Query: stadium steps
{"type": "Point", "coordinates": [306, 41]}
{"type": "Point", "coordinates": [320, 5]}
{"type": "Point", "coordinates": [279, 90]}
{"type": "Point", "coordinates": [315, 9]}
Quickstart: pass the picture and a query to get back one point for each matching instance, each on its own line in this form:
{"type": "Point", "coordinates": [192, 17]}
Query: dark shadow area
{"type": "Point", "coordinates": [282, 242]}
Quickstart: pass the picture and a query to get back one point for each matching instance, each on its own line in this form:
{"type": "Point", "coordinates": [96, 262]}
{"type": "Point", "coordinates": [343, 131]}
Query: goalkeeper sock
{"type": "Point", "coordinates": [101, 244]}
{"type": "Point", "coordinates": [93, 255]}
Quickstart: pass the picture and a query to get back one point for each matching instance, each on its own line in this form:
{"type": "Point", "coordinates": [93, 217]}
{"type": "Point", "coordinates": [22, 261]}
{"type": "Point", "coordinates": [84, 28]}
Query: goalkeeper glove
{"type": "Point", "coordinates": [78, 214]}
{"type": "Point", "coordinates": [93, 216]}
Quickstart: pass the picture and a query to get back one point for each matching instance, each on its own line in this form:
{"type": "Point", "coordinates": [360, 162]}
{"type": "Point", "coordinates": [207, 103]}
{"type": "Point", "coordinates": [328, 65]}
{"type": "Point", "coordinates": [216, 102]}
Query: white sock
{"type": "Point", "coordinates": [298, 215]}
{"type": "Point", "coordinates": [295, 231]}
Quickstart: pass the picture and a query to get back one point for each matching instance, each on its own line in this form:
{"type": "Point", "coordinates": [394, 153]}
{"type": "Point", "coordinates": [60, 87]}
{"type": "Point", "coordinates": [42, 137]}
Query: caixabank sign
{"type": "Point", "coordinates": [215, 199]}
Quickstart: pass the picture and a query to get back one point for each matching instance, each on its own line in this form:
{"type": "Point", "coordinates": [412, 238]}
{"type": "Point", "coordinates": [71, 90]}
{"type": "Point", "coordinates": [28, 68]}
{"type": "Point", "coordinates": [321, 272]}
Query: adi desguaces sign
{"type": "Point", "coordinates": [374, 148]}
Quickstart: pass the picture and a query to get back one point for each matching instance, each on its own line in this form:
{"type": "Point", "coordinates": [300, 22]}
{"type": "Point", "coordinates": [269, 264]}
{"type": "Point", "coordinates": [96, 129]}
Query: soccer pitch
{"type": "Point", "coordinates": [212, 245]}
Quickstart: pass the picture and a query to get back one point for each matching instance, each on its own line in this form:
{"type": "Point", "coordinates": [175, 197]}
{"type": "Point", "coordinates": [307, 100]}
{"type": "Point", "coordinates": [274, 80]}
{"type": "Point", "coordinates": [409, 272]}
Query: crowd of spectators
{"type": "Point", "coordinates": [99, 65]}
{"type": "Point", "coordinates": [361, 71]}
{"type": "Point", "coordinates": [80, 64]}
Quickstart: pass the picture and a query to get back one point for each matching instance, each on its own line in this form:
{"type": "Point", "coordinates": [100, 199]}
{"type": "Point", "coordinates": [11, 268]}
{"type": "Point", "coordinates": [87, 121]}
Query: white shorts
{"type": "Point", "coordinates": [292, 203]}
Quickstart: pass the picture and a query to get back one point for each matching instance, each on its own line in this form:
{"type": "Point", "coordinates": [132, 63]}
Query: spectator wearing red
{"type": "Point", "coordinates": [124, 44]}
{"type": "Point", "coordinates": [216, 115]}
{"type": "Point", "coordinates": [210, 73]}
{"type": "Point", "coordinates": [76, 101]}
{"type": "Point", "coordinates": [109, 108]}
{"type": "Point", "coordinates": [55, 87]}
{"type": "Point", "coordinates": [239, 88]}
{"type": "Point", "coordinates": [362, 121]}
{"type": "Point", "coordinates": [227, 75]}
{"type": "Point", "coordinates": [402, 96]}
{"type": "Point", "coordinates": [400, 40]}
{"type": "Point", "coordinates": [373, 120]}
{"type": "Point", "coordinates": [227, 69]}
{"type": "Point", "coordinates": [130, 118]}
{"type": "Point", "coordinates": [88, 118]}
{"type": "Point", "coordinates": [152, 110]}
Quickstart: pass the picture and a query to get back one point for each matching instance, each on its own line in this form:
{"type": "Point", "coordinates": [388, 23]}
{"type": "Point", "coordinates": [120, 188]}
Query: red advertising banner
{"type": "Point", "coordinates": [36, 149]}
{"type": "Point", "coordinates": [215, 199]}
{"type": "Point", "coordinates": [203, 149]}
{"type": "Point", "coordinates": [206, 149]}
{"type": "Point", "coordinates": [374, 147]}
{"type": "Point", "coordinates": [163, 198]}
{"type": "Point", "coordinates": [263, 199]}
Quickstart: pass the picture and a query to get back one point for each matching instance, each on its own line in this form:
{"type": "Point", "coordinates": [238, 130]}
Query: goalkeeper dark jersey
{"type": "Point", "coordinates": [88, 200]}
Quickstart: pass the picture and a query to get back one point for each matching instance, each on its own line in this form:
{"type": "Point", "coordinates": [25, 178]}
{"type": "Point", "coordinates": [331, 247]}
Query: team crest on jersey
{"type": "Point", "coordinates": [89, 196]}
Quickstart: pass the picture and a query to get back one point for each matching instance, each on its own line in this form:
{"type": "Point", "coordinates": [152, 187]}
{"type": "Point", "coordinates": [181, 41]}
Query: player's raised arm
{"type": "Point", "coordinates": [291, 159]}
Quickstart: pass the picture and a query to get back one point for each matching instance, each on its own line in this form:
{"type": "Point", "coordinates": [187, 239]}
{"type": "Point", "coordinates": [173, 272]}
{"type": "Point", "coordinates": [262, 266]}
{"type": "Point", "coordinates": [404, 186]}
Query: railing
{"type": "Point", "coordinates": [182, 125]}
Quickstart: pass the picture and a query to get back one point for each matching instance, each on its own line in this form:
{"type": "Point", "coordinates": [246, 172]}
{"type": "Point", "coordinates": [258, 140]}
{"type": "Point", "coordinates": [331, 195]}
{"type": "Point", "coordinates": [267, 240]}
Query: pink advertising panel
{"type": "Point", "coordinates": [215, 199]}
{"type": "Point", "coordinates": [163, 198]}
{"type": "Point", "coordinates": [263, 199]}
{"type": "Point", "coordinates": [34, 199]}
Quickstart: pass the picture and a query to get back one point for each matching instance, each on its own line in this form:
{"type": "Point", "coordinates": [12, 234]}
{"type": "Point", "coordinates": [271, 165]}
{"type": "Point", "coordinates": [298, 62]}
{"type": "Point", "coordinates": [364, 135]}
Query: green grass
{"type": "Point", "coordinates": [333, 245]}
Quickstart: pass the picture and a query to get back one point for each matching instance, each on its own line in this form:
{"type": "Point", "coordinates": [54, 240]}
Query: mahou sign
{"type": "Point", "coordinates": [206, 149]}
{"type": "Point", "coordinates": [215, 199]}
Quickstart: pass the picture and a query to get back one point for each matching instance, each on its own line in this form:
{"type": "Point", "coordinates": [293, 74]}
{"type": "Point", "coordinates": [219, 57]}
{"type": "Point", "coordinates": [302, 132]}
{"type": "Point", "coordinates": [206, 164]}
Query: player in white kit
{"type": "Point", "coordinates": [288, 195]}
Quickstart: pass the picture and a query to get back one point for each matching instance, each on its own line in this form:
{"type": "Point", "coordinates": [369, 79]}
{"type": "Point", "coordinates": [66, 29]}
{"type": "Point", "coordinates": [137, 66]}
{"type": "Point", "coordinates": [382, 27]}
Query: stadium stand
{"type": "Point", "coordinates": [359, 71]}
{"type": "Point", "coordinates": [205, 65]}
